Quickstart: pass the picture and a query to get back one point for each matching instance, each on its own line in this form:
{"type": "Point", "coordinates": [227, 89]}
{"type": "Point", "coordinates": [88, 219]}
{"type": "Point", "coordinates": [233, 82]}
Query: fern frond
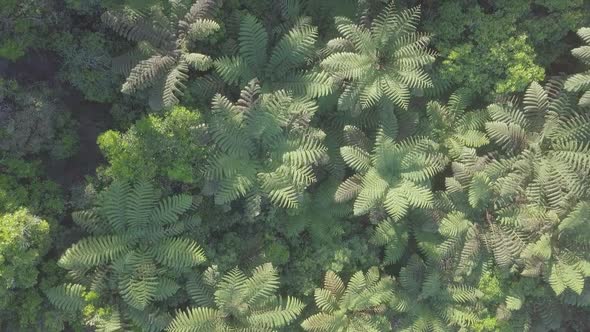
{"type": "Point", "coordinates": [279, 316]}
{"type": "Point", "coordinates": [195, 320]}
{"type": "Point", "coordinates": [67, 297]}
{"type": "Point", "coordinates": [356, 158]}
{"type": "Point", "coordinates": [179, 253]}
{"type": "Point", "coordinates": [94, 251]}
{"type": "Point", "coordinates": [170, 208]}
{"type": "Point", "coordinates": [292, 51]}
{"type": "Point", "coordinates": [146, 72]}
{"type": "Point", "coordinates": [253, 42]}
{"type": "Point", "coordinates": [233, 70]}
{"type": "Point", "coordinates": [137, 29]}
{"type": "Point", "coordinates": [199, 61]}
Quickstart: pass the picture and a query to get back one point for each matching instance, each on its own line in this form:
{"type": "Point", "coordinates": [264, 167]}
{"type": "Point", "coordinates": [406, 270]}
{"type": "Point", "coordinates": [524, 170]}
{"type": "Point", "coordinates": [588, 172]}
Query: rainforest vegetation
{"type": "Point", "coordinates": [294, 165]}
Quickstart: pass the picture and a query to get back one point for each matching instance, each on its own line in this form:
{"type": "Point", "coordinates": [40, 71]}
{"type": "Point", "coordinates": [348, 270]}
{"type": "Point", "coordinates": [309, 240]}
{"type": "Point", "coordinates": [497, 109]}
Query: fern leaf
{"type": "Point", "coordinates": [67, 297]}
{"type": "Point", "coordinates": [170, 208]}
{"type": "Point", "coordinates": [195, 320]}
{"type": "Point", "coordinates": [179, 253]}
{"type": "Point", "coordinates": [253, 42]}
{"type": "Point", "coordinates": [146, 72]}
{"type": "Point", "coordinates": [93, 251]}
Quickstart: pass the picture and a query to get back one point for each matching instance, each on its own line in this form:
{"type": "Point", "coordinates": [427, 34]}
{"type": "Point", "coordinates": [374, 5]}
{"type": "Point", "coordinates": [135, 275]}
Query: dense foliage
{"type": "Point", "coordinates": [295, 165]}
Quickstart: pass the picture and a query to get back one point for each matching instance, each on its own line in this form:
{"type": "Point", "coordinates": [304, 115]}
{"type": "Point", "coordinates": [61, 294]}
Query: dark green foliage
{"type": "Point", "coordinates": [32, 123]}
{"type": "Point", "coordinates": [86, 65]}
{"type": "Point", "coordinates": [501, 46]}
{"type": "Point", "coordinates": [25, 25]}
{"type": "Point", "coordinates": [305, 142]}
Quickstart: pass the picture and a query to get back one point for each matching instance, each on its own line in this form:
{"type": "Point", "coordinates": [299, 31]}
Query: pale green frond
{"type": "Point", "coordinates": [393, 237]}
{"type": "Point", "coordinates": [356, 158]}
{"type": "Point", "coordinates": [146, 72]}
{"type": "Point", "coordinates": [334, 284]}
{"type": "Point", "coordinates": [195, 320]}
{"type": "Point", "coordinates": [285, 197]}
{"type": "Point", "coordinates": [67, 297]}
{"type": "Point", "coordinates": [178, 253]}
{"type": "Point", "coordinates": [374, 189]}
{"type": "Point", "coordinates": [325, 300]}
{"type": "Point", "coordinates": [253, 42]}
{"type": "Point", "coordinates": [262, 284]}
{"type": "Point", "coordinates": [233, 70]}
{"type": "Point", "coordinates": [563, 276]}
{"type": "Point", "coordinates": [202, 28]}
{"type": "Point", "coordinates": [293, 50]}
{"type": "Point", "coordinates": [280, 316]}
{"type": "Point", "coordinates": [170, 208]}
{"type": "Point", "coordinates": [347, 65]}
{"type": "Point", "coordinates": [320, 322]}
{"type": "Point", "coordinates": [93, 251]}
{"type": "Point", "coordinates": [348, 189]}
{"type": "Point", "coordinates": [113, 203]}
{"type": "Point", "coordinates": [199, 61]}
{"type": "Point", "coordinates": [309, 151]}
{"type": "Point", "coordinates": [174, 84]}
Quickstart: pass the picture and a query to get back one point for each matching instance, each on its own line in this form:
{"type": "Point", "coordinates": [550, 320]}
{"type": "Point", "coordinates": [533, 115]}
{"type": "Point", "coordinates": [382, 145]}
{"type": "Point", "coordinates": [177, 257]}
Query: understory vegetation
{"type": "Point", "coordinates": [295, 165]}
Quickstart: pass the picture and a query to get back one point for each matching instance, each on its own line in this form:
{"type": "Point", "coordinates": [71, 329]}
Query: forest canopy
{"type": "Point", "coordinates": [295, 165]}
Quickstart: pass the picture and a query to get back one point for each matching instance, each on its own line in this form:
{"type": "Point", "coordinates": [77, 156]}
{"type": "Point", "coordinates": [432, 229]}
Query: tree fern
{"type": "Point", "coordinates": [166, 68]}
{"type": "Point", "coordinates": [138, 248]}
{"type": "Point", "coordinates": [546, 145]}
{"type": "Point", "coordinates": [264, 146]}
{"type": "Point", "coordinates": [428, 301]}
{"type": "Point", "coordinates": [359, 305]}
{"type": "Point", "coordinates": [382, 61]}
{"type": "Point", "coordinates": [394, 176]}
{"type": "Point", "coordinates": [454, 126]}
{"type": "Point", "coordinates": [284, 65]}
{"type": "Point", "coordinates": [237, 302]}
{"type": "Point", "coordinates": [557, 248]}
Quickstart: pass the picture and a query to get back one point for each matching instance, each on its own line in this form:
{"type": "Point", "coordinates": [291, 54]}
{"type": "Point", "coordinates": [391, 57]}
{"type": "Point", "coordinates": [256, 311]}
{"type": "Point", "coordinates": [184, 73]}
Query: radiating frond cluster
{"type": "Point", "coordinates": [359, 305]}
{"type": "Point", "coordinates": [265, 146]}
{"type": "Point", "coordinates": [394, 175]}
{"type": "Point", "coordinates": [383, 61]}
{"type": "Point", "coordinates": [236, 302]}
{"type": "Point", "coordinates": [135, 250]}
{"type": "Point", "coordinates": [546, 145]}
{"type": "Point", "coordinates": [428, 302]}
{"type": "Point", "coordinates": [453, 127]}
{"type": "Point", "coordinates": [167, 49]}
{"type": "Point", "coordinates": [285, 65]}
